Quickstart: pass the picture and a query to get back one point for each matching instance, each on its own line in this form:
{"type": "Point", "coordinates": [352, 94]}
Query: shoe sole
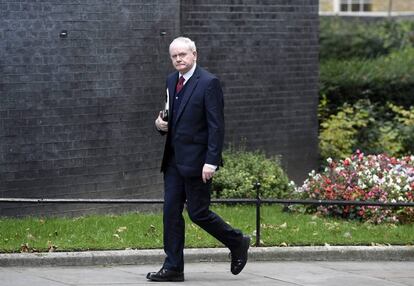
{"type": "Point", "coordinates": [167, 280]}
{"type": "Point", "coordinates": [155, 279]}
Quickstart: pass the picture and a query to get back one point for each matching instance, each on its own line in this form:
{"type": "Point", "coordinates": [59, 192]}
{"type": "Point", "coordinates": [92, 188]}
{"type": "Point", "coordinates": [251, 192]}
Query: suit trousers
{"type": "Point", "coordinates": [196, 194]}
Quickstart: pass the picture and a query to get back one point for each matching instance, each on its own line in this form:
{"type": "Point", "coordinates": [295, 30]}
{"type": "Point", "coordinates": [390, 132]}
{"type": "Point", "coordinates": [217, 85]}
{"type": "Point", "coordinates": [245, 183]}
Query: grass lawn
{"type": "Point", "coordinates": [144, 230]}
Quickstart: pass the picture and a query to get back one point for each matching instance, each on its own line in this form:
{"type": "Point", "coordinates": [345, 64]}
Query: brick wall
{"type": "Point", "coordinates": [77, 112]}
{"type": "Point", "coordinates": [266, 54]}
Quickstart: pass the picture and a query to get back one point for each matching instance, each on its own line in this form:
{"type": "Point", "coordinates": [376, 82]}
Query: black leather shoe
{"type": "Point", "coordinates": [239, 256]}
{"type": "Point", "coordinates": [165, 275]}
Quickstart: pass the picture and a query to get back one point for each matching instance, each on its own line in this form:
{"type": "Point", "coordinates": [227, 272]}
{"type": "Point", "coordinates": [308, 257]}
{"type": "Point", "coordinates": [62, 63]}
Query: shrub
{"type": "Point", "coordinates": [404, 125]}
{"type": "Point", "coordinates": [339, 134]}
{"type": "Point", "coordinates": [364, 178]}
{"type": "Point", "coordinates": [381, 80]}
{"type": "Point", "coordinates": [345, 39]}
{"type": "Point", "coordinates": [242, 169]}
{"type": "Point", "coordinates": [368, 127]}
{"type": "Point", "coordinates": [371, 60]}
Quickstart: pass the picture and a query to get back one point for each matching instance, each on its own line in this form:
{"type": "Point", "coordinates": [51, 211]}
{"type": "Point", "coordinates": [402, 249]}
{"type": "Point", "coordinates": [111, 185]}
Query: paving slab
{"type": "Point", "coordinates": [279, 273]}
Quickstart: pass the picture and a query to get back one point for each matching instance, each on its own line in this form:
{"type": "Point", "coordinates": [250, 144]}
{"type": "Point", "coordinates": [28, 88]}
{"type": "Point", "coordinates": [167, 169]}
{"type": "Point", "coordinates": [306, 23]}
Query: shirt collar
{"type": "Point", "coordinates": [188, 74]}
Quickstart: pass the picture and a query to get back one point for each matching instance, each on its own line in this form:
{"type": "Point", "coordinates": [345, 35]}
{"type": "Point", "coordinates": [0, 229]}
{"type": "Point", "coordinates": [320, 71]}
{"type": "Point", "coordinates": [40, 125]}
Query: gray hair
{"type": "Point", "coordinates": [187, 41]}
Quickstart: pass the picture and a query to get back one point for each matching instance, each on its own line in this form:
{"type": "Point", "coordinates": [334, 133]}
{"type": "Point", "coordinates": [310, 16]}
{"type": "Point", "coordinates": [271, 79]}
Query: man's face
{"type": "Point", "coordinates": [182, 57]}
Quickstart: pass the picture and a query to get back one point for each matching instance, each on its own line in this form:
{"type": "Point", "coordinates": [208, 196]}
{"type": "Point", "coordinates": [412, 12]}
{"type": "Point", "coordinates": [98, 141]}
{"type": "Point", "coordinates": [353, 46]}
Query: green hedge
{"type": "Point", "coordinates": [243, 169]}
{"type": "Point", "coordinates": [384, 79]}
{"type": "Point", "coordinates": [345, 39]}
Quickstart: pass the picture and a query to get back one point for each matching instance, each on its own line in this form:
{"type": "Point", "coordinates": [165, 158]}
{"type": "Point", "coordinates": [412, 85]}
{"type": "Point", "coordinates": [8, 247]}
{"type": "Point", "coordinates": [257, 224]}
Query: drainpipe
{"type": "Point", "coordinates": [389, 8]}
{"type": "Point", "coordinates": [336, 8]}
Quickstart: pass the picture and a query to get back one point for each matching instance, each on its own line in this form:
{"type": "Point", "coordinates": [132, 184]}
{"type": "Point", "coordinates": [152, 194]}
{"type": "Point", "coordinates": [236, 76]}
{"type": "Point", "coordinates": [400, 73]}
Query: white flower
{"type": "Point", "coordinates": [361, 184]}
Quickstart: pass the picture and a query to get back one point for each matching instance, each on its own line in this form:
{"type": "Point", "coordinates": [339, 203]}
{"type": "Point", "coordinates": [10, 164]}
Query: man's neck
{"type": "Point", "coordinates": [188, 74]}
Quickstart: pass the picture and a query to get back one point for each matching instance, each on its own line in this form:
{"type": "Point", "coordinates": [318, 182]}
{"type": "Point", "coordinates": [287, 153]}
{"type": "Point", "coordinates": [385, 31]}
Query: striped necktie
{"type": "Point", "coordinates": [180, 85]}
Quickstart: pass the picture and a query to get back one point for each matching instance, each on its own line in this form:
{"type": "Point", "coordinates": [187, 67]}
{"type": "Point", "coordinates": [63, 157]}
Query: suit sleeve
{"type": "Point", "coordinates": [214, 104]}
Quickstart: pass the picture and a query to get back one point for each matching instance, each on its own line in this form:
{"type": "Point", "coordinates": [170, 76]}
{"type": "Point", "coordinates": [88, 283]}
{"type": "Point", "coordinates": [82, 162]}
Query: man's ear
{"type": "Point", "coordinates": [195, 55]}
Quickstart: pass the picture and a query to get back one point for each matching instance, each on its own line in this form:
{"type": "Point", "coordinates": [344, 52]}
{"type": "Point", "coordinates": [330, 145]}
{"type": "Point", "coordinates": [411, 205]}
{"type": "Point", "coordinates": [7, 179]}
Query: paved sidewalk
{"type": "Point", "coordinates": [286, 273]}
{"type": "Point", "coordinates": [323, 265]}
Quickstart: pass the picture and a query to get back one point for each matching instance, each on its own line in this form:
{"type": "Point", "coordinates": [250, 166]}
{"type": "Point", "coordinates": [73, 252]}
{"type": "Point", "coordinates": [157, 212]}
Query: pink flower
{"type": "Point", "coordinates": [372, 177]}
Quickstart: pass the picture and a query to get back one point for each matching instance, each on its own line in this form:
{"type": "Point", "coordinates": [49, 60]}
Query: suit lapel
{"type": "Point", "coordinates": [188, 92]}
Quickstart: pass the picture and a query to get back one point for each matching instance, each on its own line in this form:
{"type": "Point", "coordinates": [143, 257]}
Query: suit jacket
{"type": "Point", "coordinates": [196, 132]}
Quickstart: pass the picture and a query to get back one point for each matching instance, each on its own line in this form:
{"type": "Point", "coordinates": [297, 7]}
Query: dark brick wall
{"type": "Point", "coordinates": [266, 54]}
{"type": "Point", "coordinates": [77, 113]}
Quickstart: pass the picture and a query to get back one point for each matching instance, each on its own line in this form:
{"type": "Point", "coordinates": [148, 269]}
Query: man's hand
{"type": "Point", "coordinates": [208, 173]}
{"type": "Point", "coordinates": [161, 124]}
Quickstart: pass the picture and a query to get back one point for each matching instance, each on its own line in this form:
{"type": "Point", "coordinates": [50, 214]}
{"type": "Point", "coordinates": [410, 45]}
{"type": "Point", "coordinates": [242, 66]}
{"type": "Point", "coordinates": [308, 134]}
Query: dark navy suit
{"type": "Point", "coordinates": [195, 137]}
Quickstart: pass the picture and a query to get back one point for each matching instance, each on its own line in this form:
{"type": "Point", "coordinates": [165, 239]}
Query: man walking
{"type": "Point", "coordinates": [192, 154]}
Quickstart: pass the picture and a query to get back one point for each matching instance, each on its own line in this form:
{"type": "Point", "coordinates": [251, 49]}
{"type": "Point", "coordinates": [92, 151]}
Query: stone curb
{"type": "Point", "coordinates": [126, 257]}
